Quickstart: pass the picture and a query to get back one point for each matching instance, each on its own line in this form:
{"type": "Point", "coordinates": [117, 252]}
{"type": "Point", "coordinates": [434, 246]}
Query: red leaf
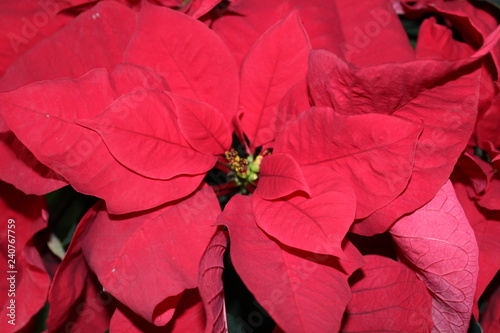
{"type": "Point", "coordinates": [486, 225]}
{"type": "Point", "coordinates": [198, 8]}
{"type": "Point", "coordinates": [76, 298]}
{"type": "Point", "coordinates": [491, 198]}
{"type": "Point", "coordinates": [50, 59]}
{"type": "Point", "coordinates": [388, 297]}
{"type": "Point", "coordinates": [472, 23]}
{"type": "Point", "coordinates": [372, 33]}
{"type": "Point", "coordinates": [91, 312]}
{"type": "Point", "coordinates": [202, 125]}
{"type": "Point", "coordinates": [103, 34]}
{"type": "Point", "coordinates": [362, 32]}
{"type": "Point", "coordinates": [210, 283]}
{"type": "Point", "coordinates": [279, 176]}
{"type": "Point", "coordinates": [277, 61]}
{"type": "Point", "coordinates": [25, 284]}
{"type": "Point", "coordinates": [303, 292]}
{"type": "Point", "coordinates": [436, 41]}
{"type": "Point", "coordinates": [316, 224]}
{"type": "Point", "coordinates": [197, 65]}
{"type": "Point", "coordinates": [381, 147]}
{"type": "Point", "coordinates": [295, 101]}
{"type": "Point", "coordinates": [490, 321]}
{"type": "Point", "coordinates": [25, 23]}
{"type": "Point", "coordinates": [439, 243]}
{"type": "Point", "coordinates": [19, 167]}
{"type": "Point", "coordinates": [445, 134]}
{"type": "Point", "coordinates": [475, 172]}
{"type": "Point", "coordinates": [42, 117]}
{"type": "Point", "coordinates": [155, 147]}
{"type": "Point", "coordinates": [245, 22]}
{"type": "Point", "coordinates": [487, 124]}
{"type": "Point", "coordinates": [147, 261]}
{"type": "Point", "coordinates": [189, 317]}
{"type": "Point", "coordinates": [372, 89]}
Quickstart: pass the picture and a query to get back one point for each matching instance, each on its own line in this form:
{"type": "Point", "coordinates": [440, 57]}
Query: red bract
{"type": "Point", "coordinates": [280, 175]}
{"type": "Point", "coordinates": [40, 125]}
{"type": "Point", "coordinates": [439, 244]}
{"type": "Point", "coordinates": [317, 223]}
{"type": "Point", "coordinates": [23, 24]}
{"type": "Point", "coordinates": [474, 24]}
{"type": "Point", "coordinates": [491, 321]}
{"type": "Point", "coordinates": [381, 147]}
{"type": "Point", "coordinates": [76, 291]}
{"type": "Point", "coordinates": [351, 90]}
{"type": "Point", "coordinates": [25, 281]}
{"type": "Point", "coordinates": [189, 316]}
{"type": "Point", "coordinates": [105, 30]}
{"type": "Point", "coordinates": [276, 61]}
{"type": "Point", "coordinates": [360, 33]}
{"type": "Point", "coordinates": [294, 287]}
{"type": "Point", "coordinates": [485, 224]}
{"type": "Point", "coordinates": [196, 65]}
{"type": "Point", "coordinates": [210, 283]}
{"type": "Point", "coordinates": [319, 111]}
{"type": "Point", "coordinates": [43, 62]}
{"type": "Point", "coordinates": [387, 296]}
{"type": "Point", "coordinates": [120, 249]}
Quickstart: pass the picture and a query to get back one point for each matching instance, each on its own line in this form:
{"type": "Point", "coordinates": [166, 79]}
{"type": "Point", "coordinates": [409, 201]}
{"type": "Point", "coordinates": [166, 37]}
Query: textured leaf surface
{"type": "Point", "coordinates": [31, 281]}
{"type": "Point", "coordinates": [202, 125]}
{"type": "Point", "coordinates": [190, 56]}
{"type": "Point", "coordinates": [486, 225]}
{"type": "Point", "coordinates": [388, 298]}
{"type": "Point", "coordinates": [279, 176]}
{"type": "Point", "coordinates": [373, 152]}
{"type": "Point", "coordinates": [140, 130]}
{"type": "Point", "coordinates": [104, 29]}
{"type": "Point", "coordinates": [277, 61]}
{"type": "Point", "coordinates": [147, 261]}
{"type": "Point", "coordinates": [439, 242]}
{"type": "Point", "coordinates": [316, 224]}
{"type": "Point", "coordinates": [384, 88]}
{"type": "Point", "coordinates": [42, 117]}
{"type": "Point", "coordinates": [302, 291]}
{"type": "Point", "coordinates": [447, 129]}
{"type": "Point", "coordinates": [210, 283]}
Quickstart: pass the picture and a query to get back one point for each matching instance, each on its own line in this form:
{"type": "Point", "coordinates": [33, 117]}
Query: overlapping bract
{"type": "Point", "coordinates": [135, 103]}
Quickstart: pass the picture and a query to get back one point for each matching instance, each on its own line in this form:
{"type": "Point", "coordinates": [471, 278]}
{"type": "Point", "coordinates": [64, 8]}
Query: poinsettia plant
{"type": "Point", "coordinates": [249, 166]}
